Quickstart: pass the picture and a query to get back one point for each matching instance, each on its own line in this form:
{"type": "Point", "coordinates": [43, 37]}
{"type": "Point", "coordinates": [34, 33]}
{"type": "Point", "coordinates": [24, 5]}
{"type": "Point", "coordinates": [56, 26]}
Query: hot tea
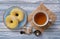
{"type": "Point", "coordinates": [40, 18]}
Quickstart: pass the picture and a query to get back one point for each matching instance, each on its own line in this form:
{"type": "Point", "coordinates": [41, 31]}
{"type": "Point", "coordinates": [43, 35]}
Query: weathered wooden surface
{"type": "Point", "coordinates": [51, 33]}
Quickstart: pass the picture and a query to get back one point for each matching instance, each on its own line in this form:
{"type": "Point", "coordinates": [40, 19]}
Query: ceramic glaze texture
{"type": "Point", "coordinates": [51, 33]}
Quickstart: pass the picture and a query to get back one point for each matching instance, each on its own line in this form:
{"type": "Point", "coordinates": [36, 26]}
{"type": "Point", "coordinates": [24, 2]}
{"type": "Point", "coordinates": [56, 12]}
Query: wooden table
{"type": "Point", "coordinates": [51, 33]}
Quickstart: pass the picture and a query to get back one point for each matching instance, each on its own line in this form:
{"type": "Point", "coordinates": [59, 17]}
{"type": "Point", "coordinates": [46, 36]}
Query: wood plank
{"type": "Point", "coordinates": [51, 33]}
{"type": "Point", "coordinates": [32, 1]}
{"type": "Point", "coordinates": [52, 7]}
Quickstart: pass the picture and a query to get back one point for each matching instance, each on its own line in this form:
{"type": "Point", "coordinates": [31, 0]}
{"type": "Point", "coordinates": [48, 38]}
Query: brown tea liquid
{"type": "Point", "coordinates": [40, 18]}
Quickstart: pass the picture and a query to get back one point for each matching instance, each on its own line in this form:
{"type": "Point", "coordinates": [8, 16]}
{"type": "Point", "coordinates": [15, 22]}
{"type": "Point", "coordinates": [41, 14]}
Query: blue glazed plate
{"type": "Point", "coordinates": [22, 23]}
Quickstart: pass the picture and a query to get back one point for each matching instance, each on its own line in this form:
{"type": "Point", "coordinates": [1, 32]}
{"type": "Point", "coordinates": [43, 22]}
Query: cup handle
{"type": "Point", "coordinates": [50, 20]}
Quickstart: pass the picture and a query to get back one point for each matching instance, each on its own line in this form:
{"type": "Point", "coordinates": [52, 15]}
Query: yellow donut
{"type": "Point", "coordinates": [11, 22]}
{"type": "Point", "coordinates": [18, 13]}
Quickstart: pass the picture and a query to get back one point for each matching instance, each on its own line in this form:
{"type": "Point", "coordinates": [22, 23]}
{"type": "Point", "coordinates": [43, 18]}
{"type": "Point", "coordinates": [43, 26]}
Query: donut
{"type": "Point", "coordinates": [18, 13]}
{"type": "Point", "coordinates": [11, 22]}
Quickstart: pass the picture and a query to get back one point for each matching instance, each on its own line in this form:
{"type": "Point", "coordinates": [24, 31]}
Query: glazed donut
{"type": "Point", "coordinates": [18, 13]}
{"type": "Point", "coordinates": [11, 22]}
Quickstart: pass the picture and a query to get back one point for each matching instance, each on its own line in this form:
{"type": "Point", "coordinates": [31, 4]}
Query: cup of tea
{"type": "Point", "coordinates": [40, 18]}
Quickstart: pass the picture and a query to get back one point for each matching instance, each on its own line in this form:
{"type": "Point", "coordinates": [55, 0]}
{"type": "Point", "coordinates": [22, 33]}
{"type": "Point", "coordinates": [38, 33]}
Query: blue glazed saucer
{"type": "Point", "coordinates": [22, 23]}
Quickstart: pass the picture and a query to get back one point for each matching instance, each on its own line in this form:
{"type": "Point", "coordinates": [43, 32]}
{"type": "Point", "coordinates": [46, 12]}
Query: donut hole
{"type": "Point", "coordinates": [16, 14]}
{"type": "Point", "coordinates": [11, 21]}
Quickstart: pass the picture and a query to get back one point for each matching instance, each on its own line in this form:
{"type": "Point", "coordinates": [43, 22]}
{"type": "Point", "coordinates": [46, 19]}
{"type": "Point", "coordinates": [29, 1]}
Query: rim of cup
{"type": "Point", "coordinates": [46, 20]}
